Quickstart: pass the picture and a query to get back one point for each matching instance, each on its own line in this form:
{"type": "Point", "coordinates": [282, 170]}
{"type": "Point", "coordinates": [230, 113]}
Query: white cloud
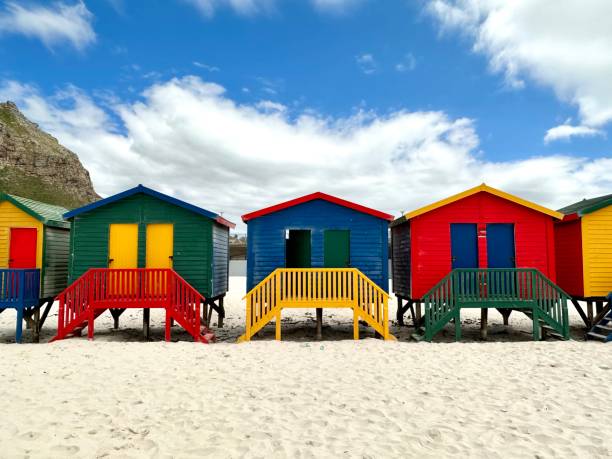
{"type": "Point", "coordinates": [210, 68]}
{"type": "Point", "coordinates": [407, 64]}
{"type": "Point", "coordinates": [243, 7]}
{"type": "Point", "coordinates": [566, 131]}
{"type": "Point", "coordinates": [335, 6]}
{"type": "Point", "coordinates": [562, 44]}
{"type": "Point", "coordinates": [268, 106]}
{"type": "Point", "coordinates": [367, 63]}
{"type": "Point", "coordinates": [186, 137]}
{"type": "Point", "coordinates": [52, 24]}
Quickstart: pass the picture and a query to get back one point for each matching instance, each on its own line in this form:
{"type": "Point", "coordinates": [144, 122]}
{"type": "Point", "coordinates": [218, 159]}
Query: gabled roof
{"type": "Point", "coordinates": [477, 189]}
{"type": "Point", "coordinates": [313, 197]}
{"type": "Point", "coordinates": [156, 194]}
{"type": "Point", "coordinates": [48, 214]}
{"type": "Point", "coordinates": [586, 206]}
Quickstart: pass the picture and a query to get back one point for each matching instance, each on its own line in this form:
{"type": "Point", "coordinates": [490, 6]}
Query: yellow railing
{"type": "Point", "coordinates": [317, 288]}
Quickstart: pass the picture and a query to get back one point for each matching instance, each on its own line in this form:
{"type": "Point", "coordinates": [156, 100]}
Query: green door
{"type": "Point", "coordinates": [297, 249]}
{"type": "Point", "coordinates": [337, 248]}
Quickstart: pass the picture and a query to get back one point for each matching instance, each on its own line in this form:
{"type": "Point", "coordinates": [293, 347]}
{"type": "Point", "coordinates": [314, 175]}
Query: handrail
{"type": "Point", "coordinates": [503, 287]}
{"type": "Point", "coordinates": [317, 288]}
{"type": "Point", "coordinates": [19, 287]}
{"type": "Point", "coordinates": [103, 288]}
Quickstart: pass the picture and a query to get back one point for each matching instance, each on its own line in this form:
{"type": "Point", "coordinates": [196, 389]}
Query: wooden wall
{"type": "Point", "coordinates": [597, 252]}
{"type": "Point", "coordinates": [193, 252]}
{"type": "Point", "coordinates": [568, 248]}
{"type": "Point", "coordinates": [13, 217]}
{"type": "Point", "coordinates": [368, 239]}
{"type": "Point", "coordinates": [400, 249]}
{"type": "Point", "coordinates": [431, 245]}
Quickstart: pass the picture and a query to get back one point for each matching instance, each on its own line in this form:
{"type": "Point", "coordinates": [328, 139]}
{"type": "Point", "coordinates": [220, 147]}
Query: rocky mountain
{"type": "Point", "coordinates": [34, 165]}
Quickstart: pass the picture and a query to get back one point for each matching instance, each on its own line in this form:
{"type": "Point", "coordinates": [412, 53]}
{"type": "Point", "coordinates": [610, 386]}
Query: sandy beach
{"type": "Point", "coordinates": [121, 397]}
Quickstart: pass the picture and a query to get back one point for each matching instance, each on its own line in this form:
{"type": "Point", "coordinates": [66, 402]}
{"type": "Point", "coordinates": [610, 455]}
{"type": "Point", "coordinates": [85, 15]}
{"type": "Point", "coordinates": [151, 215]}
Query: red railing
{"type": "Point", "coordinates": [100, 289]}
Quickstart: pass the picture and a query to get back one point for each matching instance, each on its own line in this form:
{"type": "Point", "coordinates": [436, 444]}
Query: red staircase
{"type": "Point", "coordinates": [100, 289]}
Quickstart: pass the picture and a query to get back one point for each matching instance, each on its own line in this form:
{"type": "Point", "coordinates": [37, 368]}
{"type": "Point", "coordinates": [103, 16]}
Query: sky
{"type": "Point", "coordinates": [235, 105]}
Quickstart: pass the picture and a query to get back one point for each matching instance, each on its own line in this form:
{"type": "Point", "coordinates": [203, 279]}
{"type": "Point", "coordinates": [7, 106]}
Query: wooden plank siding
{"type": "Point", "coordinates": [57, 245]}
{"type": "Point", "coordinates": [568, 248]}
{"type": "Point", "coordinates": [431, 244]}
{"type": "Point", "coordinates": [192, 237]}
{"type": "Point", "coordinates": [13, 217]}
{"type": "Point", "coordinates": [220, 257]}
{"type": "Point", "coordinates": [400, 255]}
{"type": "Point", "coordinates": [597, 252]}
{"type": "Point", "coordinates": [368, 239]}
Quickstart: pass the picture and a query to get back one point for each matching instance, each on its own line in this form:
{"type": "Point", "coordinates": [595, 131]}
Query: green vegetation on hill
{"type": "Point", "coordinates": [13, 181]}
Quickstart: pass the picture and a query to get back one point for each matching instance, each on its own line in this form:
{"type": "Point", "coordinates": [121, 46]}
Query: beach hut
{"type": "Point", "coordinates": [143, 249]}
{"type": "Point", "coordinates": [317, 251]}
{"type": "Point", "coordinates": [34, 243]}
{"type": "Point", "coordinates": [480, 248]}
{"type": "Point", "coordinates": [584, 254]}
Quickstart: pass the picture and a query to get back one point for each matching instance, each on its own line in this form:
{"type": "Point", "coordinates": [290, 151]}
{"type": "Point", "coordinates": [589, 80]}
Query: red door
{"type": "Point", "coordinates": [22, 251]}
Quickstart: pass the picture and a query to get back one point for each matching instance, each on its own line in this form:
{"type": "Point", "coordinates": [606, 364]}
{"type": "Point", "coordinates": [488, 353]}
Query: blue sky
{"type": "Point", "coordinates": [345, 70]}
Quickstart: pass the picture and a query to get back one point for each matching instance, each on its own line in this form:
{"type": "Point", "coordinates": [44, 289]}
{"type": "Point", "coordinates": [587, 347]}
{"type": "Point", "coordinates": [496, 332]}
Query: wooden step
{"type": "Point", "coordinates": [597, 336]}
{"type": "Point", "coordinates": [604, 327]}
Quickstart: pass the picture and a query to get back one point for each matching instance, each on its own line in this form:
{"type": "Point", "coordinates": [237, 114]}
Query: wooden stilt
{"type": "Point", "coordinates": [536, 324]}
{"type": "Point", "coordinates": [146, 323]}
{"type": "Point", "coordinates": [583, 316]}
{"type": "Point", "coordinates": [205, 314]}
{"type": "Point", "coordinates": [278, 325]}
{"type": "Point", "coordinates": [221, 313]}
{"type": "Point", "coordinates": [458, 325]}
{"type": "Point", "coordinates": [505, 315]}
{"type": "Point", "coordinates": [484, 318]}
{"type": "Point", "coordinates": [90, 324]}
{"type": "Point", "coordinates": [116, 321]}
{"type": "Point", "coordinates": [168, 326]}
{"type": "Point", "coordinates": [355, 324]}
{"type": "Point", "coordinates": [590, 311]}
{"type": "Point", "coordinates": [19, 325]}
{"type": "Point", "coordinates": [400, 311]}
{"type": "Point", "coordinates": [319, 334]}
{"type": "Point", "coordinates": [599, 305]}
{"type": "Point", "coordinates": [36, 330]}
{"type": "Point", "coordinates": [418, 312]}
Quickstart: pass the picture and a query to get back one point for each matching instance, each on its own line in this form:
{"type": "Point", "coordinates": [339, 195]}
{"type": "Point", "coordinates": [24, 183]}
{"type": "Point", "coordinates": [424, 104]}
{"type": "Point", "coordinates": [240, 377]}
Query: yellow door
{"type": "Point", "coordinates": [123, 246]}
{"type": "Point", "coordinates": [160, 237]}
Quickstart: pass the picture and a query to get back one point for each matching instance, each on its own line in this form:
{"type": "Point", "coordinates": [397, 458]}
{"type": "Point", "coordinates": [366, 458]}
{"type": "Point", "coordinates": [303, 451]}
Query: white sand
{"type": "Point", "coordinates": [120, 397]}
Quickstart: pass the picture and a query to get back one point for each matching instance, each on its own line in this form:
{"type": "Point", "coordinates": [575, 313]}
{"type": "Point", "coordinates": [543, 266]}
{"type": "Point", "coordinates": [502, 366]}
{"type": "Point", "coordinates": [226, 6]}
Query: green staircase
{"type": "Point", "coordinates": [526, 290]}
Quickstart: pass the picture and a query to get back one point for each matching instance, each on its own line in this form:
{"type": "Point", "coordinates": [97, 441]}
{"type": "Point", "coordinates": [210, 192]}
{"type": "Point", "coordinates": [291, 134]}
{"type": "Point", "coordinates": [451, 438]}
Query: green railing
{"type": "Point", "coordinates": [526, 289]}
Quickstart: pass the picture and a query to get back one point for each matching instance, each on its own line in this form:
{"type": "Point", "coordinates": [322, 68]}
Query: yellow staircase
{"type": "Point", "coordinates": [317, 288]}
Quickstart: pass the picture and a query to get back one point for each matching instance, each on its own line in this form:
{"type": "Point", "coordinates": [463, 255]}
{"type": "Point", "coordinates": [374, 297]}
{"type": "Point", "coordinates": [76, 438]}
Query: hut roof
{"type": "Point", "coordinates": [587, 206]}
{"type": "Point", "coordinates": [156, 194]}
{"type": "Point", "coordinates": [313, 197]}
{"type": "Point", "coordinates": [477, 189]}
{"type": "Point", "coordinates": [48, 214]}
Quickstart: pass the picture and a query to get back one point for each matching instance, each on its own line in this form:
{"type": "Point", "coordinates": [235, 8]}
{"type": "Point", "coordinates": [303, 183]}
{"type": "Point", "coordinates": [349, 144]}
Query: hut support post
{"type": "Point", "coordinates": [221, 313]}
{"type": "Point", "coordinates": [19, 325]}
{"type": "Point", "coordinates": [319, 334]}
{"type": "Point", "coordinates": [590, 311]}
{"type": "Point", "coordinates": [36, 329]}
{"type": "Point", "coordinates": [458, 325]}
{"type": "Point", "coordinates": [484, 318]}
{"type": "Point", "coordinates": [278, 325]}
{"type": "Point", "coordinates": [417, 316]}
{"type": "Point", "coordinates": [146, 323]}
{"type": "Point", "coordinates": [505, 315]}
{"type": "Point", "coordinates": [599, 306]}
{"type": "Point", "coordinates": [584, 317]}
{"type": "Point", "coordinates": [168, 326]}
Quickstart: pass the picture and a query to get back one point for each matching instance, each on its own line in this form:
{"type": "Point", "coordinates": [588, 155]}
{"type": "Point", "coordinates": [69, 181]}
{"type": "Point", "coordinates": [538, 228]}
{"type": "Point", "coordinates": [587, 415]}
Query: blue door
{"type": "Point", "coordinates": [464, 245]}
{"type": "Point", "coordinates": [500, 245]}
